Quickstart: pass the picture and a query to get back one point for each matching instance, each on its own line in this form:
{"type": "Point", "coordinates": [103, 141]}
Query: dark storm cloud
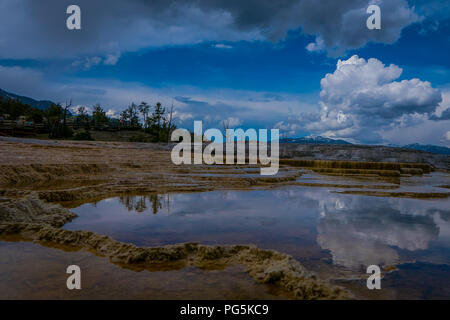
{"type": "Point", "coordinates": [341, 25]}
{"type": "Point", "coordinates": [36, 29]}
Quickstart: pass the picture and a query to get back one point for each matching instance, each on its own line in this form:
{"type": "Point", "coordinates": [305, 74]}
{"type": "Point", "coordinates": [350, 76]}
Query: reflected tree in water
{"type": "Point", "coordinates": [141, 203]}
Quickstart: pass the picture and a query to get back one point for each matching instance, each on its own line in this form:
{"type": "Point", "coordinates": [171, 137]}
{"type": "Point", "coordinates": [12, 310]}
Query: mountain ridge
{"type": "Point", "coordinates": [39, 104]}
{"type": "Point", "coordinates": [314, 140]}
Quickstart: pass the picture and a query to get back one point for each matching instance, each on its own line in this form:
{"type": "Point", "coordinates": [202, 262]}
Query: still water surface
{"type": "Point", "coordinates": [352, 231]}
{"type": "Point", "coordinates": [335, 235]}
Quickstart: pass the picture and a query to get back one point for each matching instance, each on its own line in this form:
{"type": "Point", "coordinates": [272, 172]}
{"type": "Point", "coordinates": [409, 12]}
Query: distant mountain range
{"type": "Point", "coordinates": [314, 140]}
{"type": "Point", "coordinates": [322, 140]}
{"type": "Point", "coordinates": [40, 104]}
{"type": "Point", "coordinates": [428, 148]}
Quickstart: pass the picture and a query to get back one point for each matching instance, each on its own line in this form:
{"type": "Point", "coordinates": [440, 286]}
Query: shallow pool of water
{"type": "Point", "coordinates": [335, 235]}
{"type": "Point", "coordinates": [310, 223]}
{"type": "Point", "coordinates": [32, 271]}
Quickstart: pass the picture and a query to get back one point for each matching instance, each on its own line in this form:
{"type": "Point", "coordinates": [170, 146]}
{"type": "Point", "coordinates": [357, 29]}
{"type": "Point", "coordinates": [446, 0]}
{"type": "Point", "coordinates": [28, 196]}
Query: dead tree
{"type": "Point", "coordinates": [169, 126]}
{"type": "Point", "coordinates": [66, 107]}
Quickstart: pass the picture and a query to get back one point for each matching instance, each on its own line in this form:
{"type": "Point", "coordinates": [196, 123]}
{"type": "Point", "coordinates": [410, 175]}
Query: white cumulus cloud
{"type": "Point", "coordinates": [222, 46]}
{"type": "Point", "coordinates": [363, 97]}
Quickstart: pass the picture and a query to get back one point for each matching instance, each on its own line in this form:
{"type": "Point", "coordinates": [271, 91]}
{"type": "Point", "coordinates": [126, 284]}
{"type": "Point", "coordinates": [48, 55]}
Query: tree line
{"type": "Point", "coordinates": [157, 120]}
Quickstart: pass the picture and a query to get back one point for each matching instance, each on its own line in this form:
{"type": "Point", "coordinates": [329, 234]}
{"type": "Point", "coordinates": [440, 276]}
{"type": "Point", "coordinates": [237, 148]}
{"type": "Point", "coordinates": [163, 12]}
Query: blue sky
{"type": "Point", "coordinates": [246, 61]}
{"type": "Point", "coordinates": [281, 67]}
